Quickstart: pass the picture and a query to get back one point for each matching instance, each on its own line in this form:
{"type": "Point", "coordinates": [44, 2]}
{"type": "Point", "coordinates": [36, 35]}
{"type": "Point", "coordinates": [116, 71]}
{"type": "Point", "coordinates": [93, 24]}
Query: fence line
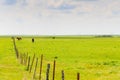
{"type": "Point", "coordinates": [25, 60]}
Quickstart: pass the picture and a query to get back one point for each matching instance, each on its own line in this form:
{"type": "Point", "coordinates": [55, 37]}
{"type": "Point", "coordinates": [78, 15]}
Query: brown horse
{"type": "Point", "coordinates": [33, 40]}
{"type": "Point", "coordinates": [19, 38]}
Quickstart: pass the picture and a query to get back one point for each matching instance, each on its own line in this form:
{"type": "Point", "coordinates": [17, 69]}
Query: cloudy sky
{"type": "Point", "coordinates": [59, 17]}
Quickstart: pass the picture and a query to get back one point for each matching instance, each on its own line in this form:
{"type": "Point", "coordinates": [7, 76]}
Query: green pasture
{"type": "Point", "coordinates": [10, 69]}
{"type": "Point", "coordinates": [94, 58]}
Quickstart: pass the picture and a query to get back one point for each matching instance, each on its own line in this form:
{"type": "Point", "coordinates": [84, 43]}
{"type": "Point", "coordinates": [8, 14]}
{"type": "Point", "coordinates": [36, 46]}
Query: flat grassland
{"type": "Point", "coordinates": [94, 58]}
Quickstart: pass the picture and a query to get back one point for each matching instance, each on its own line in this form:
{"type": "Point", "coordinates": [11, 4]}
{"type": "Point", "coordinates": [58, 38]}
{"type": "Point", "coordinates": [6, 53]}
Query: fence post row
{"type": "Point", "coordinates": [26, 60]}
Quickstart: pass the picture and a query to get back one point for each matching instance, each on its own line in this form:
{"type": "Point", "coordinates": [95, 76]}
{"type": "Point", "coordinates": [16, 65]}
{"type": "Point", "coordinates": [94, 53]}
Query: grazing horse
{"type": "Point", "coordinates": [33, 40]}
{"type": "Point", "coordinates": [19, 38]}
{"type": "Point", "coordinates": [53, 37]}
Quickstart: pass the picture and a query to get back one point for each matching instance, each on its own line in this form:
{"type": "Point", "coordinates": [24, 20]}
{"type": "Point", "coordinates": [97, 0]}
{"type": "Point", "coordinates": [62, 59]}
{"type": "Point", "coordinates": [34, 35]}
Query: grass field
{"type": "Point", "coordinates": [94, 58]}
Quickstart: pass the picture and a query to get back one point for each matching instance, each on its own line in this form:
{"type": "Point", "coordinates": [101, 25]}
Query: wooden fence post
{"type": "Point", "coordinates": [17, 53]}
{"type": "Point", "coordinates": [28, 66]}
{"type": "Point", "coordinates": [54, 65]}
{"type": "Point", "coordinates": [41, 66]}
{"type": "Point", "coordinates": [26, 57]}
{"type": "Point", "coordinates": [35, 68]}
{"type": "Point", "coordinates": [63, 76]}
{"type": "Point", "coordinates": [78, 76]}
{"type": "Point", "coordinates": [47, 73]}
{"type": "Point", "coordinates": [21, 58]}
{"type": "Point", "coordinates": [32, 63]}
{"type": "Point", "coordinates": [16, 50]}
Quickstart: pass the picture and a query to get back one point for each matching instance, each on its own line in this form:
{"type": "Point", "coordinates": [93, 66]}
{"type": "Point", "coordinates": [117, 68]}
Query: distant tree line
{"type": "Point", "coordinates": [98, 36]}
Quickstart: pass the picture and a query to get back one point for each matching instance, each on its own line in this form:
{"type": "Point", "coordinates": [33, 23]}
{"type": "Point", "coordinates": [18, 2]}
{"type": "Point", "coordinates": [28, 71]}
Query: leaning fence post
{"type": "Point", "coordinates": [47, 73]}
{"type": "Point", "coordinates": [35, 68]}
{"type": "Point", "coordinates": [16, 50]}
{"type": "Point", "coordinates": [28, 66]}
{"type": "Point", "coordinates": [54, 65]}
{"type": "Point", "coordinates": [26, 57]}
{"type": "Point", "coordinates": [78, 76]}
{"type": "Point", "coordinates": [63, 76]}
{"type": "Point", "coordinates": [32, 63]}
{"type": "Point", "coordinates": [41, 66]}
{"type": "Point", "coordinates": [21, 57]}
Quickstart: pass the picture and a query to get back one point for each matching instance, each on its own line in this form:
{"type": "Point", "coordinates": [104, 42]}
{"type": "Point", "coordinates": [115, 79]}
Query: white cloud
{"type": "Point", "coordinates": [81, 7]}
{"type": "Point", "coordinates": [55, 3]}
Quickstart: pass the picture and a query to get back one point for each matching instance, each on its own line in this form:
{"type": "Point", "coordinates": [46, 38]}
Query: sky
{"type": "Point", "coordinates": [59, 17]}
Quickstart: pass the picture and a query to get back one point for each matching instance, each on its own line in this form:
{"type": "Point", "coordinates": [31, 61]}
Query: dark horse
{"type": "Point", "coordinates": [33, 40]}
{"type": "Point", "coordinates": [19, 38]}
